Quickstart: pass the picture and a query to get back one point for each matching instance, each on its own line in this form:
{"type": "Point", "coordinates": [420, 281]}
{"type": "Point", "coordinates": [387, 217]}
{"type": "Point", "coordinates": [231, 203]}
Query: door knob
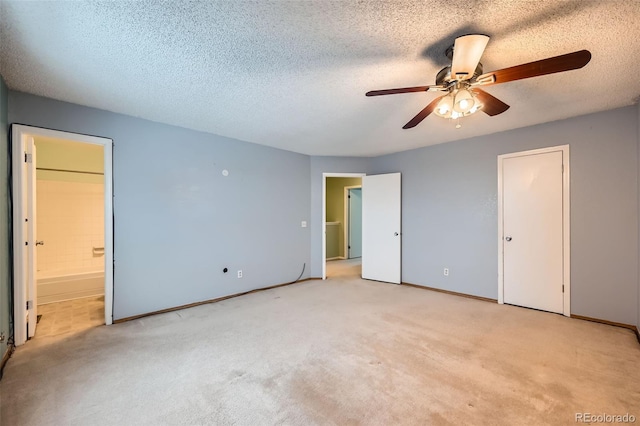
{"type": "Point", "coordinates": [395, 234]}
{"type": "Point", "coordinates": [508, 238]}
{"type": "Point", "coordinates": [39, 243]}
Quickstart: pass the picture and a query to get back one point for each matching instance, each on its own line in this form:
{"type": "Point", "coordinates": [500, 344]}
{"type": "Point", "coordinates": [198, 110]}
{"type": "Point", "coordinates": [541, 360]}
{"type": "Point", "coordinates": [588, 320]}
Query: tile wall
{"type": "Point", "coordinates": [70, 221]}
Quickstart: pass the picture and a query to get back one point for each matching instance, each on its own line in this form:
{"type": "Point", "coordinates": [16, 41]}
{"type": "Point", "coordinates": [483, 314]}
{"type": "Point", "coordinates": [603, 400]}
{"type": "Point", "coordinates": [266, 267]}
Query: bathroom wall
{"type": "Point", "coordinates": [335, 212]}
{"type": "Point", "coordinates": [70, 207]}
{"type": "Point", "coordinates": [54, 155]}
{"type": "Point", "coordinates": [70, 221]}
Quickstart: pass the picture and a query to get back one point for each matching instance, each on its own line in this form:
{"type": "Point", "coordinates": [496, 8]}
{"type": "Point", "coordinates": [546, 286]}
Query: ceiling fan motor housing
{"type": "Point", "coordinates": [444, 75]}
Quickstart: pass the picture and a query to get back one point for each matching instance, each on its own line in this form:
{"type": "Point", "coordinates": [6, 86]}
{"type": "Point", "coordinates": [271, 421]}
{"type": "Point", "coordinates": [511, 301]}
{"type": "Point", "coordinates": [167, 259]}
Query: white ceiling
{"type": "Point", "coordinates": [293, 74]}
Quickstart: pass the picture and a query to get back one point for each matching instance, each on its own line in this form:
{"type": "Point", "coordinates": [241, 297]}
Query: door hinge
{"type": "Point", "coordinates": [563, 168]}
{"type": "Point", "coordinates": [29, 304]}
{"type": "Point", "coordinates": [27, 158]}
{"type": "Point", "coordinates": [563, 288]}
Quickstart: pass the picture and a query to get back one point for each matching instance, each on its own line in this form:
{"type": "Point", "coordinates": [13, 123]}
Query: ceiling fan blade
{"type": "Point", "coordinates": [467, 51]}
{"type": "Point", "coordinates": [570, 61]}
{"type": "Point", "coordinates": [406, 90]}
{"type": "Point", "coordinates": [423, 114]}
{"type": "Point", "coordinates": [490, 104]}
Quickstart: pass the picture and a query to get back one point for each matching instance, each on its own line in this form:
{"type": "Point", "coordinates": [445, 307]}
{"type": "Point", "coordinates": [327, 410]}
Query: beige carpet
{"type": "Point", "coordinates": [339, 352]}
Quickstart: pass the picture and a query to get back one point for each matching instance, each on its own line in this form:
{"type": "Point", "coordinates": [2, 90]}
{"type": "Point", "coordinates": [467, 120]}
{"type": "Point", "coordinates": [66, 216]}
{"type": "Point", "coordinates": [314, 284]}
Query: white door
{"type": "Point", "coordinates": [29, 206]}
{"type": "Point", "coordinates": [355, 223]}
{"type": "Point", "coordinates": [532, 200]}
{"type": "Point", "coordinates": [381, 240]}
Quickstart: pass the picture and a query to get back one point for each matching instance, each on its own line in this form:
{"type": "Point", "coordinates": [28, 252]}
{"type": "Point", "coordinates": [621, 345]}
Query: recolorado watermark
{"type": "Point", "coordinates": [605, 418]}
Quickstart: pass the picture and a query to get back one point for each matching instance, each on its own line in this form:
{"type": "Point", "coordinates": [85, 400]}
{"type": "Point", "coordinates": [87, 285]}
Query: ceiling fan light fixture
{"type": "Point", "coordinates": [445, 106]}
{"type": "Point", "coordinates": [464, 101]}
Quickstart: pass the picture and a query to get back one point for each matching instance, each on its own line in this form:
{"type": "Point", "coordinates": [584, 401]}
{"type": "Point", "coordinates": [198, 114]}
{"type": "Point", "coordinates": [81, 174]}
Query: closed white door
{"type": "Point", "coordinates": [532, 241]}
{"type": "Point", "coordinates": [381, 240]}
{"type": "Point", "coordinates": [355, 223]}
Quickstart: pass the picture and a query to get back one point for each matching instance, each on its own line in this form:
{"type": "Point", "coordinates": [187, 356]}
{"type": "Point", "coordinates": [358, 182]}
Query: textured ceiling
{"type": "Point", "coordinates": [293, 74]}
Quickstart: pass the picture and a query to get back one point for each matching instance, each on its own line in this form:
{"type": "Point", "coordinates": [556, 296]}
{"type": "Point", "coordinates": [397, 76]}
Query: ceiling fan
{"type": "Point", "coordinates": [463, 79]}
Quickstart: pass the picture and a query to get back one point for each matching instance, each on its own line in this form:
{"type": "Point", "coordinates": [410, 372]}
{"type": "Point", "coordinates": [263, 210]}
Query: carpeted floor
{"type": "Point", "coordinates": [340, 352]}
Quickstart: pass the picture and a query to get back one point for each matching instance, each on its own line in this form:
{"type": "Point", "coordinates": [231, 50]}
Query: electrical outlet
{"type": "Point", "coordinates": [239, 273]}
{"type": "Point", "coordinates": [446, 272]}
{"type": "Point", "coordinates": [304, 224]}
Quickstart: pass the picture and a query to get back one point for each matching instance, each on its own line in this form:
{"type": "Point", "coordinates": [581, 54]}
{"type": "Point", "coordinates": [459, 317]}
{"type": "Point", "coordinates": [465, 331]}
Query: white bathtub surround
{"type": "Point", "coordinates": [63, 287]}
{"type": "Point", "coordinates": [70, 221]}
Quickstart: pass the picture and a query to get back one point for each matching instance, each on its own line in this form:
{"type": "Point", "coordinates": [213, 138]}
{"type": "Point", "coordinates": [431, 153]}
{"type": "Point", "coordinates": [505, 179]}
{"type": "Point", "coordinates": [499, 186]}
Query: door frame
{"type": "Point", "coordinates": [347, 222]}
{"type": "Point", "coordinates": [324, 214]}
{"type": "Point", "coordinates": [18, 133]}
{"type": "Point", "coordinates": [566, 222]}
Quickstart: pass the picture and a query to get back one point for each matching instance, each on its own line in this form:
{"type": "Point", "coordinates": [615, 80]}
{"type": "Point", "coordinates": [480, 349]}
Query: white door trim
{"type": "Point", "coordinates": [18, 132]}
{"type": "Point", "coordinates": [324, 214]}
{"type": "Point", "coordinates": [566, 222]}
{"type": "Point", "coordinates": [346, 219]}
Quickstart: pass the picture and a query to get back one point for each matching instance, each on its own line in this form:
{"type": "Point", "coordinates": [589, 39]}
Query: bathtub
{"type": "Point", "coordinates": [56, 287]}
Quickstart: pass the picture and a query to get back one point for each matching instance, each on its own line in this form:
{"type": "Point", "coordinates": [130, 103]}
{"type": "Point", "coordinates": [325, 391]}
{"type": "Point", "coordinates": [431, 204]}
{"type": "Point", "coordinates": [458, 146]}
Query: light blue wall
{"type": "Point", "coordinates": [320, 165]}
{"type": "Point", "coordinates": [450, 219]}
{"type": "Point", "coordinates": [5, 291]}
{"type": "Point", "coordinates": [178, 220]}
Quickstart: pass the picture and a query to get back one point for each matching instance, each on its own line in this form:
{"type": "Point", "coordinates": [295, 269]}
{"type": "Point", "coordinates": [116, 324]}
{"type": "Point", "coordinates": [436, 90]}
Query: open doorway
{"type": "Point", "coordinates": [381, 226]}
{"type": "Point", "coordinates": [342, 227]}
{"type": "Point", "coordinates": [70, 235]}
{"type": "Point", "coordinates": [63, 232]}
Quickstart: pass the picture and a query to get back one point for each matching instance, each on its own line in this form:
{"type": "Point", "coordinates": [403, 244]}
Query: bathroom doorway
{"type": "Point", "coordinates": [342, 244]}
{"type": "Point", "coordinates": [63, 238]}
{"type": "Point", "coordinates": [70, 235]}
